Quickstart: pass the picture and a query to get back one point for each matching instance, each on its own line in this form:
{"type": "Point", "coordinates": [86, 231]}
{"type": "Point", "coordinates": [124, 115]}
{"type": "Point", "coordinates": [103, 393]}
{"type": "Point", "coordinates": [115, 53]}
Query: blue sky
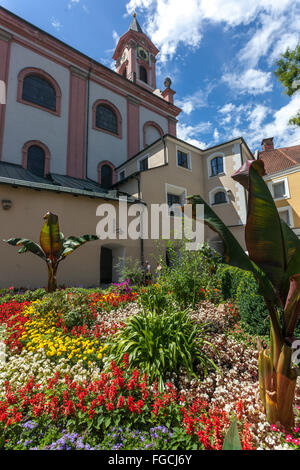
{"type": "Point", "coordinates": [220, 55]}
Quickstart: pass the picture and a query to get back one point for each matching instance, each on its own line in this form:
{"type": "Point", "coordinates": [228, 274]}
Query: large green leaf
{"type": "Point", "coordinates": [72, 243]}
{"type": "Point", "coordinates": [27, 245]}
{"type": "Point", "coordinates": [232, 438]}
{"type": "Point", "coordinates": [50, 239]}
{"type": "Point", "coordinates": [268, 242]}
{"type": "Point", "coordinates": [233, 252]}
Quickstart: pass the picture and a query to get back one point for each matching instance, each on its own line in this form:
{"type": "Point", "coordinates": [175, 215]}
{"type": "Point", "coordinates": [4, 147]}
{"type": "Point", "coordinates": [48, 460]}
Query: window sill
{"type": "Point", "coordinates": [41, 108]}
{"type": "Point", "coordinates": [107, 132]}
{"type": "Point", "coordinates": [218, 175]}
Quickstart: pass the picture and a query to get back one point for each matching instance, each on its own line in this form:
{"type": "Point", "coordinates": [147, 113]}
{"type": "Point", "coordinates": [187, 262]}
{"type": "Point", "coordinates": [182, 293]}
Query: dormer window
{"type": "Point", "coordinates": [143, 74]}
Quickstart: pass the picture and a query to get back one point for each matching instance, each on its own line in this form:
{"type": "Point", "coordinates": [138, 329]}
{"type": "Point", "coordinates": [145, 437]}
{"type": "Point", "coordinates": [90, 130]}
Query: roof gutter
{"type": "Point", "coordinates": [113, 195]}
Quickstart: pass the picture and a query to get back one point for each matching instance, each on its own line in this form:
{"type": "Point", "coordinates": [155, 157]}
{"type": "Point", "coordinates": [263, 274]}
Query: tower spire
{"type": "Point", "coordinates": [135, 26]}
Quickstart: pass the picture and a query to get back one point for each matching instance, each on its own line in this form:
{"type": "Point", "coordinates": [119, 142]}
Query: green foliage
{"type": "Point", "coordinates": [191, 274]}
{"type": "Point", "coordinates": [28, 296]}
{"type": "Point", "coordinates": [288, 73]}
{"type": "Point", "coordinates": [156, 438]}
{"type": "Point", "coordinates": [252, 306]}
{"type": "Point", "coordinates": [155, 297]}
{"type": "Point", "coordinates": [232, 438]}
{"type": "Point", "coordinates": [230, 278]}
{"type": "Point", "coordinates": [130, 269]}
{"type": "Point", "coordinates": [161, 343]}
{"type": "Point", "coordinates": [288, 70]}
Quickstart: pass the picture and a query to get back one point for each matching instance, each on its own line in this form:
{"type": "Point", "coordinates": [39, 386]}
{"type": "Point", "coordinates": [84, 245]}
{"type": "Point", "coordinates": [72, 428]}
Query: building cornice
{"type": "Point", "coordinates": [285, 172]}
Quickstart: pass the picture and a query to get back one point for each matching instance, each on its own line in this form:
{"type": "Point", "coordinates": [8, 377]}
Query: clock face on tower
{"type": "Point", "coordinates": [142, 53]}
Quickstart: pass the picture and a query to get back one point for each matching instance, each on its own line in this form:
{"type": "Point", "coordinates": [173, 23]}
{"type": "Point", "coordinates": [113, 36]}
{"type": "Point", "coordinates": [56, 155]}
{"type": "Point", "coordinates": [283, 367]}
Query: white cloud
{"type": "Point", "coordinates": [116, 37]}
{"type": "Point", "coordinates": [195, 101]}
{"type": "Point", "coordinates": [72, 3]}
{"type": "Point", "coordinates": [216, 135]}
{"type": "Point", "coordinates": [56, 24]}
{"type": "Point", "coordinates": [251, 81]}
{"type": "Point", "coordinates": [171, 22]}
{"type": "Point", "coordinates": [287, 40]}
{"type": "Point", "coordinates": [256, 121]}
{"type": "Point", "coordinates": [192, 134]}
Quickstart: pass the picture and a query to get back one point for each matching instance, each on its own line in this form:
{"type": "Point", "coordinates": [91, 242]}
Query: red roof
{"type": "Point", "coordinates": [280, 159]}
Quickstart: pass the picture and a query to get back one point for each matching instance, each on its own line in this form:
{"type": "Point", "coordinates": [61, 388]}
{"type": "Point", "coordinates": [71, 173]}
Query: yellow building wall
{"type": "Point", "coordinates": [294, 200]}
{"type": "Point", "coordinates": [77, 216]}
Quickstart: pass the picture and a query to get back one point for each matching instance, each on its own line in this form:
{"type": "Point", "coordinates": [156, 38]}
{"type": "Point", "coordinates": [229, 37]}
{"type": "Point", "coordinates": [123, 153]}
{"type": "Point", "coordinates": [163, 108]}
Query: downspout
{"type": "Point", "coordinates": [141, 239]}
{"type": "Point", "coordinates": [88, 119]}
{"type": "Point", "coordinates": [245, 192]}
{"type": "Point", "coordinates": [165, 150]}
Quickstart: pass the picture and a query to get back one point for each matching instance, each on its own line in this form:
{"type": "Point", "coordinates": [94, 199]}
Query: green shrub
{"type": "Point", "coordinates": [155, 297]}
{"type": "Point", "coordinates": [252, 307]}
{"type": "Point", "coordinates": [190, 274]}
{"type": "Point", "coordinates": [28, 296]}
{"type": "Point", "coordinates": [131, 270]}
{"type": "Point", "coordinates": [230, 277]}
{"type": "Point", "coordinates": [161, 343]}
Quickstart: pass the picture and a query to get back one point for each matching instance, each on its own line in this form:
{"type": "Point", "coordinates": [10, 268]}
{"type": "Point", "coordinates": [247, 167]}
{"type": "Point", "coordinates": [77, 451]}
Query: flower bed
{"type": "Point", "coordinates": [59, 395]}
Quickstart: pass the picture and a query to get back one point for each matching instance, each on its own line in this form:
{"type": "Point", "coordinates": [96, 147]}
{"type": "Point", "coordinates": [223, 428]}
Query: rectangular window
{"type": "Point", "coordinates": [284, 215]}
{"type": "Point", "coordinates": [279, 190]}
{"type": "Point", "coordinates": [173, 199]}
{"type": "Point", "coordinates": [182, 159]}
{"type": "Point", "coordinates": [144, 164]}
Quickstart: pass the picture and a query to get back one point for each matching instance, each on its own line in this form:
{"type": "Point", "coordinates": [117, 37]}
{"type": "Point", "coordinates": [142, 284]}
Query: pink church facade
{"type": "Point", "coordinates": [91, 116]}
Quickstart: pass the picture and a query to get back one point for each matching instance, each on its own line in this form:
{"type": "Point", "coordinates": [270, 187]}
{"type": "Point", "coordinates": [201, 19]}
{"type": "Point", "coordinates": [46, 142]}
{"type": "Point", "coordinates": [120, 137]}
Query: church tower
{"type": "Point", "coordinates": [135, 56]}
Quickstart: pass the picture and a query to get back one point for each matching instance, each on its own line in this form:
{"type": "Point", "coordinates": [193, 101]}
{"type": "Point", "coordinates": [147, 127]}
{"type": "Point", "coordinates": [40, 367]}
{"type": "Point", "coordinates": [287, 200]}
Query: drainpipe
{"type": "Point", "coordinates": [141, 239]}
{"type": "Point", "coordinates": [88, 119]}
{"type": "Point", "coordinates": [165, 150]}
{"type": "Point", "coordinates": [245, 192]}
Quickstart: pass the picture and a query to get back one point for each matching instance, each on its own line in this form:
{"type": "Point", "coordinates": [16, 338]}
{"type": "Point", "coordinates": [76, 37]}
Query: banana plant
{"type": "Point", "coordinates": [274, 259]}
{"type": "Point", "coordinates": [53, 248]}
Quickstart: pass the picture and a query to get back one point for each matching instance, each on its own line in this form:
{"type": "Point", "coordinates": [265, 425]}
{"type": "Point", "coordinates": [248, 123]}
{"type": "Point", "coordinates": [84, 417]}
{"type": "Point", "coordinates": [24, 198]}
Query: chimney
{"type": "Point", "coordinates": [267, 144]}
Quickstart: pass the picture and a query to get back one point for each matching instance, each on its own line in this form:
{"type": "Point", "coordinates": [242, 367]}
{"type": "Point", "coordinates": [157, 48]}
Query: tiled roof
{"type": "Point", "coordinates": [280, 159]}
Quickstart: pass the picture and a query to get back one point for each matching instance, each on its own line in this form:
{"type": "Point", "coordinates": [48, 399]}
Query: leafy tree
{"type": "Point", "coordinates": [288, 73]}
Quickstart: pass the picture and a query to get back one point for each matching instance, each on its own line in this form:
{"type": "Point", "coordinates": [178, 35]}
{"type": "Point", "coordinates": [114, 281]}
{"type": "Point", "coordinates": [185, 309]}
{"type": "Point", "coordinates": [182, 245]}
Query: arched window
{"type": "Point", "coordinates": [39, 91]}
{"type": "Point", "coordinates": [143, 74]}
{"type": "Point", "coordinates": [220, 197]}
{"type": "Point", "coordinates": [217, 166]}
{"type": "Point", "coordinates": [36, 160]}
{"type": "Point", "coordinates": [106, 176]}
{"type": "Point", "coordinates": [106, 118]}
